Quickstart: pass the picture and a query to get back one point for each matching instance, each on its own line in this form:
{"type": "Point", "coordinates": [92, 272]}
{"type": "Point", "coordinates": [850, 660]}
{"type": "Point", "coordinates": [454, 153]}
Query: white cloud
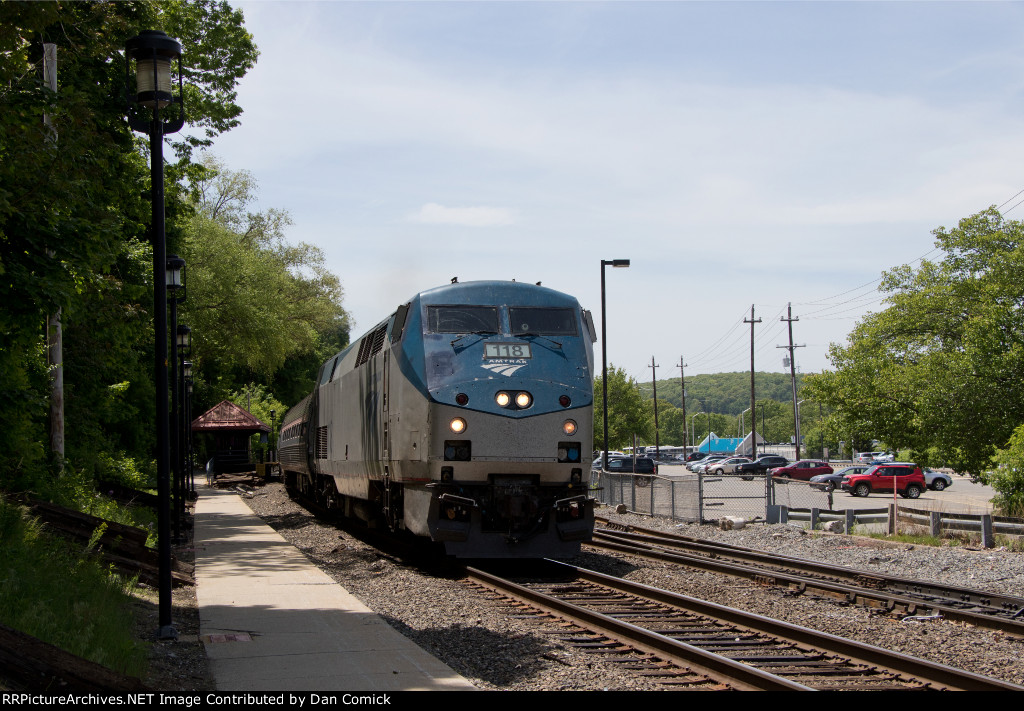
{"type": "Point", "coordinates": [434, 214]}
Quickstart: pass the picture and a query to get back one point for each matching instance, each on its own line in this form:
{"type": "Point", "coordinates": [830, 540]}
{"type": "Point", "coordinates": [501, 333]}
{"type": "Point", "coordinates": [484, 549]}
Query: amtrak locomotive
{"type": "Point", "coordinates": [464, 417]}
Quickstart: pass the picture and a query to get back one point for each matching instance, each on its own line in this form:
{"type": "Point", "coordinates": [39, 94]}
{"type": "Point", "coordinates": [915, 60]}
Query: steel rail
{"type": "Point", "coordinates": [736, 674]}
{"type": "Point", "coordinates": [934, 675]}
{"type": "Point", "coordinates": [992, 611]}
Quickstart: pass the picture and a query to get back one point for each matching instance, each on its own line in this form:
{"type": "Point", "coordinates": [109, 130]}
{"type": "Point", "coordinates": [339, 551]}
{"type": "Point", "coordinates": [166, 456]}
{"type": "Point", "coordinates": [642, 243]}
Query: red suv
{"type": "Point", "coordinates": [906, 478]}
{"type": "Point", "coordinates": [803, 470]}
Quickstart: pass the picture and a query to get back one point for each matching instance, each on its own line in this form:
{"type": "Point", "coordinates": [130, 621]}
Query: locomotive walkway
{"type": "Point", "coordinates": [272, 621]}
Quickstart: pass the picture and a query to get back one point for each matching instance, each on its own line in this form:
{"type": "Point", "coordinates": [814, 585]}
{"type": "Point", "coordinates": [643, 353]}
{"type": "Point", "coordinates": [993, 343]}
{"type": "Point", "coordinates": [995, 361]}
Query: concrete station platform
{"type": "Point", "coordinates": [272, 621]}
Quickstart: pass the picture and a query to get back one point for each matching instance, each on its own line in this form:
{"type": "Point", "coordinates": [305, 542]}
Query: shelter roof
{"type": "Point", "coordinates": [226, 415]}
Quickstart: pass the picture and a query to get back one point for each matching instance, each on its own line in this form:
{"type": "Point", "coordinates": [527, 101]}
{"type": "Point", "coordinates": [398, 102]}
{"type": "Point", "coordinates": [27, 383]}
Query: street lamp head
{"type": "Point", "coordinates": [153, 53]}
{"type": "Point", "coordinates": [184, 337]}
{"type": "Point", "coordinates": [175, 272]}
{"type": "Point", "coordinates": [615, 262]}
{"type": "Point", "coordinates": [186, 368]}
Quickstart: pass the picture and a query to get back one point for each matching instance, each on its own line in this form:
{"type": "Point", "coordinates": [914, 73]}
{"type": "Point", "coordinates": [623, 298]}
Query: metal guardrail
{"type": "Point", "coordinates": [696, 498]}
{"type": "Point", "coordinates": [936, 523]}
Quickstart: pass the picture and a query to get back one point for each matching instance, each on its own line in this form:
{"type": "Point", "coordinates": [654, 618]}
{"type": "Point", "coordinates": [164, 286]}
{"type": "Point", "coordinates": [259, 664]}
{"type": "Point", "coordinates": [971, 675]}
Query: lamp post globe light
{"type": "Point", "coordinates": [152, 54]}
{"type": "Point", "coordinates": [617, 263]}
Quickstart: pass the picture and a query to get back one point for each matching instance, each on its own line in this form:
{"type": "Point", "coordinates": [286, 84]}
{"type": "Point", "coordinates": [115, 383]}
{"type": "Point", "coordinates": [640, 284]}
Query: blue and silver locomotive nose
{"type": "Point", "coordinates": [465, 417]}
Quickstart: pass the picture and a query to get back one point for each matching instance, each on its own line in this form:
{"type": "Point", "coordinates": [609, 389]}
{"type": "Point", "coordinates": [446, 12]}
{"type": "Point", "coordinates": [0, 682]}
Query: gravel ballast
{"type": "Point", "coordinates": [498, 651]}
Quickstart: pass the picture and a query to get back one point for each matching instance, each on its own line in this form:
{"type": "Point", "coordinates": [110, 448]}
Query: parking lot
{"type": "Point", "coordinates": [963, 496]}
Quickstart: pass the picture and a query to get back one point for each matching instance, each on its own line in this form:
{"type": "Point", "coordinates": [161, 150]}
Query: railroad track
{"type": "Point", "coordinates": [688, 643]}
{"type": "Point", "coordinates": [869, 588]}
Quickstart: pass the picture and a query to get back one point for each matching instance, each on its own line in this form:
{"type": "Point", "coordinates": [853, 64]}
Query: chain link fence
{"type": "Point", "coordinates": [695, 498]}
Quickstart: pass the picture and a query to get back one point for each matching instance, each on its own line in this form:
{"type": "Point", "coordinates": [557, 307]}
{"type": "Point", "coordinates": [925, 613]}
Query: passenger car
{"type": "Point", "coordinates": [763, 464]}
{"type": "Point", "coordinates": [907, 479]}
{"type": "Point", "coordinates": [703, 464]}
{"type": "Point", "coordinates": [802, 470]}
{"type": "Point", "coordinates": [628, 465]}
{"type": "Point", "coordinates": [874, 457]}
{"type": "Point", "coordinates": [937, 481]}
{"type": "Point", "coordinates": [830, 482]}
{"type": "Point", "coordinates": [727, 466]}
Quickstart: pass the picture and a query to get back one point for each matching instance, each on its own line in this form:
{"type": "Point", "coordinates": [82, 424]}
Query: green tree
{"type": "Point", "coordinates": [257, 400]}
{"type": "Point", "coordinates": [1007, 475]}
{"type": "Point", "coordinates": [74, 212]}
{"type": "Point", "coordinates": [628, 414]}
{"type": "Point", "coordinates": [938, 371]}
{"type": "Point", "coordinates": [254, 299]}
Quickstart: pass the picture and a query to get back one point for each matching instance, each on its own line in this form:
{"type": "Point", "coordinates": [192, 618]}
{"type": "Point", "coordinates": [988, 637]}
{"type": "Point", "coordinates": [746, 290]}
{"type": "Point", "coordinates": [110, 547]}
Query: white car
{"type": "Point", "coordinates": [727, 466]}
{"type": "Point", "coordinates": [702, 465]}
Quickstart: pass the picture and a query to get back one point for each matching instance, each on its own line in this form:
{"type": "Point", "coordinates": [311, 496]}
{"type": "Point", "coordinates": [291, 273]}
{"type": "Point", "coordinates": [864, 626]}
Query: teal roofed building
{"type": "Point", "coordinates": [713, 444]}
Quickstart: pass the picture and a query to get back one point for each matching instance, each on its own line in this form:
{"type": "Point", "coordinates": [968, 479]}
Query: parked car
{"type": "Point", "coordinates": [696, 456]}
{"type": "Point", "coordinates": [874, 457]}
{"type": "Point", "coordinates": [907, 478]}
{"type": "Point", "coordinates": [727, 466]}
{"type": "Point", "coordinates": [831, 482]}
{"type": "Point", "coordinates": [700, 463]}
{"type": "Point", "coordinates": [802, 470]}
{"type": "Point", "coordinates": [599, 462]}
{"type": "Point", "coordinates": [698, 467]}
{"type": "Point", "coordinates": [937, 481]}
{"type": "Point", "coordinates": [762, 464]}
{"type": "Point", "coordinates": [629, 465]}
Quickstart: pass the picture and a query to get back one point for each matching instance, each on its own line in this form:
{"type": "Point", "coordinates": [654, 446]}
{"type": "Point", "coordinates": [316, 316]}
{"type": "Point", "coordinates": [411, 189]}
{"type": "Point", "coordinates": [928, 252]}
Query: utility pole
{"type": "Point", "coordinates": [792, 374]}
{"type": "Point", "coordinates": [654, 384]}
{"type": "Point", "coordinates": [54, 335]}
{"type": "Point", "coordinates": [753, 420]}
{"type": "Point", "coordinates": [682, 383]}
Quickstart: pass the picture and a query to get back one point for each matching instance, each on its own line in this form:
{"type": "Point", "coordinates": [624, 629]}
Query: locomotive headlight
{"type": "Point", "coordinates": [503, 399]}
{"type": "Point", "coordinates": [523, 400]}
{"type": "Point", "coordinates": [457, 425]}
{"type": "Point", "coordinates": [569, 427]}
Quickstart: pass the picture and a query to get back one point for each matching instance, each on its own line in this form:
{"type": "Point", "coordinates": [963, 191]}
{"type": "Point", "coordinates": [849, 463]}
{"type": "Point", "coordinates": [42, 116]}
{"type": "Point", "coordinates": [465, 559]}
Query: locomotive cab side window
{"type": "Point", "coordinates": [542, 321]}
{"type": "Point", "coordinates": [462, 319]}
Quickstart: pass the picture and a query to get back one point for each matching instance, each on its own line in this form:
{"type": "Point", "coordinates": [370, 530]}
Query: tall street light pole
{"type": "Point", "coordinates": [618, 263]}
{"type": "Point", "coordinates": [153, 52]}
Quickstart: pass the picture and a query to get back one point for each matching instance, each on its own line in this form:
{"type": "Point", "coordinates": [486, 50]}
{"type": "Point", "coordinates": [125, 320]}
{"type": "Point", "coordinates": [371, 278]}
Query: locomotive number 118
{"type": "Point", "coordinates": [507, 350]}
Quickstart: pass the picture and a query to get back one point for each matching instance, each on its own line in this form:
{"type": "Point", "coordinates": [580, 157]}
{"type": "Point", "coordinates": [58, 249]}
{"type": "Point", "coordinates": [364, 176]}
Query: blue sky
{"type": "Point", "coordinates": [738, 153]}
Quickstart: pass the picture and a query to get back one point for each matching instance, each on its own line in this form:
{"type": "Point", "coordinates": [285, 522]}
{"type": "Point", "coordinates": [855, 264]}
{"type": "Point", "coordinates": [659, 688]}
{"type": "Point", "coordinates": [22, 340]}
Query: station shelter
{"type": "Point", "coordinates": [230, 428]}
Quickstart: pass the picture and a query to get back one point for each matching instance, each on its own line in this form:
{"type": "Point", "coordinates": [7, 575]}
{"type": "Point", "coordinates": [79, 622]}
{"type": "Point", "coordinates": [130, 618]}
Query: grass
{"type": "Point", "coordinates": [951, 540]}
{"type": "Point", "coordinates": [57, 592]}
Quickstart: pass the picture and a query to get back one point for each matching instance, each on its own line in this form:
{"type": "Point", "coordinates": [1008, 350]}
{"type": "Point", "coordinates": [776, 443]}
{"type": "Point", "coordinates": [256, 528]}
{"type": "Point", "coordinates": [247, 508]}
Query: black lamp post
{"type": "Point", "coordinates": [604, 353]}
{"type": "Point", "coordinates": [175, 294]}
{"type": "Point", "coordinates": [182, 348]}
{"type": "Point", "coordinates": [273, 442]}
{"type": "Point", "coordinates": [152, 52]}
{"type": "Point", "coordinates": [188, 485]}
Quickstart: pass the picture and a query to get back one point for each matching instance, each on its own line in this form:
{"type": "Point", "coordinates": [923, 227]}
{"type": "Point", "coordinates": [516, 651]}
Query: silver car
{"type": "Point", "coordinates": [726, 466]}
{"type": "Point", "coordinates": [937, 481]}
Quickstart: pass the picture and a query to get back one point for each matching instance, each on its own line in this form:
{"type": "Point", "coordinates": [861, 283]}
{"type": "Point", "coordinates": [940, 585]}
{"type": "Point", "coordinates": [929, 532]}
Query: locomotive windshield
{"type": "Point", "coordinates": [542, 322]}
{"type": "Point", "coordinates": [462, 319]}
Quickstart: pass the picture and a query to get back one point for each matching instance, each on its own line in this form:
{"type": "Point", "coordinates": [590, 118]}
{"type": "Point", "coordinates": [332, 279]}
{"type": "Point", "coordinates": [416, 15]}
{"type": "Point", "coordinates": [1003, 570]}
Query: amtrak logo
{"type": "Point", "coordinates": [505, 367]}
